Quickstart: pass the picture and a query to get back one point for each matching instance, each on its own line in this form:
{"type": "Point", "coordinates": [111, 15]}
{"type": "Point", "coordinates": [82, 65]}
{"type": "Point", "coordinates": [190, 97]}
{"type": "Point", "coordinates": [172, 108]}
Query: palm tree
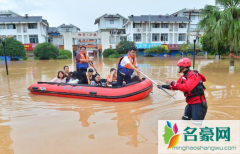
{"type": "Point", "coordinates": [223, 24]}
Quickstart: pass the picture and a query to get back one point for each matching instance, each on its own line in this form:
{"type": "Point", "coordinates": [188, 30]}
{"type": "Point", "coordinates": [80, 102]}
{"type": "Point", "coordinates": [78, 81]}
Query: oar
{"type": "Point", "coordinates": [160, 87]}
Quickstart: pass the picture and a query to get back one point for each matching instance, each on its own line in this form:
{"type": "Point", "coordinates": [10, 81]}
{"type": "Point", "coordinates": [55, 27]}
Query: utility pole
{"type": "Point", "coordinates": [194, 52]}
{"type": "Point", "coordinates": [4, 49]}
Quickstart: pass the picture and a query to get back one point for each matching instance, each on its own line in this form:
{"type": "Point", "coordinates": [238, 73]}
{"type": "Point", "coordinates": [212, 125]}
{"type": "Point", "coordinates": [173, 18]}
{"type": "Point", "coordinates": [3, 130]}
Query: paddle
{"type": "Point", "coordinates": [160, 87]}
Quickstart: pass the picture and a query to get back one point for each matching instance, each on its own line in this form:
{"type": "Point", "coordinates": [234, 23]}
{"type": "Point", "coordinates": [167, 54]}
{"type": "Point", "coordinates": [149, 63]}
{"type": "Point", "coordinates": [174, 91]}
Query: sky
{"type": "Point", "coordinates": [82, 13]}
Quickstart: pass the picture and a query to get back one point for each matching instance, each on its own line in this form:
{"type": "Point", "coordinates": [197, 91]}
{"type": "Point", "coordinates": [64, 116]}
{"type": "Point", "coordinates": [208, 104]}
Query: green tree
{"type": "Point", "coordinates": [183, 48]}
{"type": "Point", "coordinates": [124, 47]}
{"type": "Point", "coordinates": [191, 47]}
{"type": "Point", "coordinates": [157, 50]}
{"type": "Point", "coordinates": [13, 48]}
{"type": "Point", "coordinates": [207, 45]}
{"type": "Point", "coordinates": [108, 52]}
{"type": "Point", "coordinates": [222, 24]}
{"type": "Point", "coordinates": [46, 51]}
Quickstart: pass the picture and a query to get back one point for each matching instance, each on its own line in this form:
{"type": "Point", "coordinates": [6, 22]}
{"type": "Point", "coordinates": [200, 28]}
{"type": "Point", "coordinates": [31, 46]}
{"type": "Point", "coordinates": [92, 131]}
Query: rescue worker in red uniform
{"type": "Point", "coordinates": [191, 84]}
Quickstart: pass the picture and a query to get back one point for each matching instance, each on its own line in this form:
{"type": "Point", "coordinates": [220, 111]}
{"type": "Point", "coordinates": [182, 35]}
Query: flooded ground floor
{"type": "Point", "coordinates": [46, 124]}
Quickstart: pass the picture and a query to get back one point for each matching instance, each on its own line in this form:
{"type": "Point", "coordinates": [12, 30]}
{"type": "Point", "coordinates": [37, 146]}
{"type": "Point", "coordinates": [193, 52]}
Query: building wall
{"type": "Point", "coordinates": [22, 32]}
{"type": "Point", "coordinates": [172, 31]}
{"type": "Point", "coordinates": [105, 23]}
{"type": "Point", "coordinates": [74, 29]}
{"type": "Point", "coordinates": [105, 35]}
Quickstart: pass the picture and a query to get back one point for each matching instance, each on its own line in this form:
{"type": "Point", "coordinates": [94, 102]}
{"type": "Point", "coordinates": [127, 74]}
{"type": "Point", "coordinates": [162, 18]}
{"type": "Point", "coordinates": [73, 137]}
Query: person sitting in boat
{"type": "Point", "coordinates": [74, 78]}
{"type": "Point", "coordinates": [126, 66]}
{"type": "Point", "coordinates": [112, 77]}
{"type": "Point", "coordinates": [67, 73]}
{"type": "Point", "coordinates": [89, 75]}
{"type": "Point", "coordinates": [83, 79]}
{"type": "Point", "coordinates": [96, 81]}
{"type": "Point", "coordinates": [60, 78]}
{"type": "Point", "coordinates": [82, 61]}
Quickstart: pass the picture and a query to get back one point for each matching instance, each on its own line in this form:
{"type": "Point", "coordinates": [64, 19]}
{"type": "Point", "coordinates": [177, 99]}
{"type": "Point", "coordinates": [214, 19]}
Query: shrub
{"type": "Point", "coordinates": [157, 50]}
{"type": "Point", "coordinates": [177, 55]}
{"type": "Point", "coordinates": [46, 51]}
{"type": "Point", "coordinates": [13, 48]}
{"type": "Point", "coordinates": [64, 54]}
{"type": "Point", "coordinates": [114, 56]}
{"type": "Point", "coordinates": [36, 58]}
{"type": "Point", "coordinates": [200, 54]}
{"type": "Point", "coordinates": [189, 55]}
{"type": "Point", "coordinates": [63, 57]}
{"type": "Point", "coordinates": [25, 58]}
{"type": "Point", "coordinates": [120, 55]}
{"type": "Point", "coordinates": [108, 52]}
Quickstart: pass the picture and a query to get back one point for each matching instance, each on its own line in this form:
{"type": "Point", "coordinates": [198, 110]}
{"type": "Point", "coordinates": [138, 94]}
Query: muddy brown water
{"type": "Point", "coordinates": [46, 124]}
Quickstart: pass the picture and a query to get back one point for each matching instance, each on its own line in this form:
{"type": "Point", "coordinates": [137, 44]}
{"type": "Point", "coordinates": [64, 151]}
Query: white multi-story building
{"type": "Point", "coordinates": [110, 27]}
{"type": "Point", "coordinates": [150, 30]}
{"type": "Point", "coordinates": [194, 16]}
{"type": "Point", "coordinates": [26, 29]}
{"type": "Point", "coordinates": [55, 33]}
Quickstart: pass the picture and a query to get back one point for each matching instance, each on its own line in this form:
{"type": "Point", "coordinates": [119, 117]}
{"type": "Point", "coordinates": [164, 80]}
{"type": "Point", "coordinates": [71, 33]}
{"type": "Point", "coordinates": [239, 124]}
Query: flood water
{"type": "Point", "coordinates": [34, 124]}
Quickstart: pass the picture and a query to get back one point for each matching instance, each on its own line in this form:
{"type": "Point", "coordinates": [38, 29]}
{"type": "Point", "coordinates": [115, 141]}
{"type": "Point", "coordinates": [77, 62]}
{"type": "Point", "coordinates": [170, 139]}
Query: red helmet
{"type": "Point", "coordinates": [185, 62]}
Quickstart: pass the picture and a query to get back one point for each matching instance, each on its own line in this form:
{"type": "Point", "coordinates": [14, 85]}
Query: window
{"type": "Point", "coordinates": [111, 21]}
{"type": "Point", "coordinates": [164, 37]}
{"type": "Point", "coordinates": [15, 37]}
{"type": "Point", "coordinates": [182, 25]}
{"type": "Point", "coordinates": [155, 37]}
{"type": "Point", "coordinates": [11, 26]}
{"type": "Point", "coordinates": [193, 17]}
{"type": "Point", "coordinates": [32, 26]}
{"type": "Point", "coordinates": [164, 25]}
{"type": "Point", "coordinates": [67, 30]}
{"type": "Point", "coordinates": [2, 26]}
{"type": "Point", "coordinates": [136, 25]}
{"type": "Point", "coordinates": [33, 39]}
{"type": "Point", "coordinates": [155, 25]}
{"type": "Point", "coordinates": [123, 38]}
{"type": "Point", "coordinates": [137, 37]}
{"type": "Point", "coordinates": [182, 37]}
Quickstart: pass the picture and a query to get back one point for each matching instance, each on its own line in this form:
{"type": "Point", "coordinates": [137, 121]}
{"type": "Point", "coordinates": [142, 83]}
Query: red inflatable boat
{"type": "Point", "coordinates": [131, 92]}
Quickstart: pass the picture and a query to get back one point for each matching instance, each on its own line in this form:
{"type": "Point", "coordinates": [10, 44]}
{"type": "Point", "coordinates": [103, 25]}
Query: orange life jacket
{"type": "Point", "coordinates": [83, 56]}
{"type": "Point", "coordinates": [132, 60]}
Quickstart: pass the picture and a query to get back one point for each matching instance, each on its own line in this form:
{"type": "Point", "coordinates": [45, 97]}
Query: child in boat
{"type": "Point", "coordinates": [96, 81]}
{"type": "Point", "coordinates": [67, 73]}
{"type": "Point", "coordinates": [112, 77]}
{"type": "Point", "coordinates": [74, 78]}
{"type": "Point", "coordinates": [60, 78]}
{"type": "Point", "coordinates": [89, 75]}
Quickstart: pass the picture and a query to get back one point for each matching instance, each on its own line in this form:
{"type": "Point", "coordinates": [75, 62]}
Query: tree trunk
{"type": "Point", "coordinates": [232, 59]}
{"type": "Point", "coordinates": [182, 54]}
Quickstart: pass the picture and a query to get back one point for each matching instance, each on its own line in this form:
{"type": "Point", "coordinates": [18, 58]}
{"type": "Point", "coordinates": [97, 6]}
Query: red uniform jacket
{"type": "Point", "coordinates": [186, 83]}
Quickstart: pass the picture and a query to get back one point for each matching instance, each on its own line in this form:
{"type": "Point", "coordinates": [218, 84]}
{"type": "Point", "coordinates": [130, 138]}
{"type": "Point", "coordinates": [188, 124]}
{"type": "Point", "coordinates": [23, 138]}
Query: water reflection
{"type": "Point", "coordinates": [94, 123]}
{"type": "Point", "coordinates": [5, 139]}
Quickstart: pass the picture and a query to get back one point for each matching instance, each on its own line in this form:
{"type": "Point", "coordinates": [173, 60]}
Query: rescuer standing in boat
{"type": "Point", "coordinates": [126, 66]}
{"type": "Point", "coordinates": [191, 84]}
{"type": "Point", "coordinates": [82, 61]}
